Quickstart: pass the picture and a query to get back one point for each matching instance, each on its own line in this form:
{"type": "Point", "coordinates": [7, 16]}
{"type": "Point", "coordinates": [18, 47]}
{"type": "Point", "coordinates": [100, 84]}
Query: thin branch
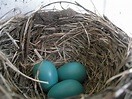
{"type": "Point", "coordinates": [4, 58]}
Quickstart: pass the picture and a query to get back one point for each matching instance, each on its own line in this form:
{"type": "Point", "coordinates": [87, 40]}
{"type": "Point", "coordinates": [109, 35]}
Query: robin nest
{"type": "Point", "coordinates": [63, 36]}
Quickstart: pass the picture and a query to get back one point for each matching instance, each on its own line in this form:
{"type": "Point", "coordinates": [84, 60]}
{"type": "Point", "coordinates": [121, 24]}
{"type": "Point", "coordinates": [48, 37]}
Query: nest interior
{"type": "Point", "coordinates": [61, 37]}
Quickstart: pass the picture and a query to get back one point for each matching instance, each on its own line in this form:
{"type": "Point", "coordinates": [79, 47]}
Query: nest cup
{"type": "Point", "coordinates": [61, 36]}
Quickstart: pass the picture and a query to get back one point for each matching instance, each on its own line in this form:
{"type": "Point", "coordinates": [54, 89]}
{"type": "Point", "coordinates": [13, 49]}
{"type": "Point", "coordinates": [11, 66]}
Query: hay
{"type": "Point", "coordinates": [61, 37]}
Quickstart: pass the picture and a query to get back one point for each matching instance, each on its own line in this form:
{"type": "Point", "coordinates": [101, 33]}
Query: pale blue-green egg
{"type": "Point", "coordinates": [66, 88]}
{"type": "Point", "coordinates": [72, 70]}
{"type": "Point", "coordinates": [46, 72]}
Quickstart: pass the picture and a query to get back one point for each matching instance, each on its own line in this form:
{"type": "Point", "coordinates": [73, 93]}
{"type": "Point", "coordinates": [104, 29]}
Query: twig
{"type": "Point", "coordinates": [119, 75]}
{"type": "Point", "coordinates": [37, 53]}
{"type": "Point", "coordinates": [8, 96]}
{"type": "Point", "coordinates": [4, 58]}
{"type": "Point", "coordinates": [86, 33]}
{"type": "Point", "coordinates": [24, 37]}
{"type": "Point", "coordinates": [3, 25]}
{"type": "Point", "coordinates": [5, 83]}
{"type": "Point", "coordinates": [122, 89]}
{"type": "Point", "coordinates": [13, 40]}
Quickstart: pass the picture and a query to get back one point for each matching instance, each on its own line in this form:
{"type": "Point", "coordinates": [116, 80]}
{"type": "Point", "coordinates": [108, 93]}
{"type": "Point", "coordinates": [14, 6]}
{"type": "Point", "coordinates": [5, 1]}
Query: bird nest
{"type": "Point", "coordinates": [62, 36]}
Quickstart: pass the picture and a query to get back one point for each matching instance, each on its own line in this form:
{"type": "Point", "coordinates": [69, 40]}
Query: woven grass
{"type": "Point", "coordinates": [62, 36]}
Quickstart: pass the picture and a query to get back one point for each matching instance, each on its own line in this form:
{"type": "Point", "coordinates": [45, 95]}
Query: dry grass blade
{"type": "Point", "coordinates": [13, 40]}
{"type": "Point", "coordinates": [6, 93]}
{"type": "Point", "coordinates": [120, 75]}
{"type": "Point", "coordinates": [5, 59]}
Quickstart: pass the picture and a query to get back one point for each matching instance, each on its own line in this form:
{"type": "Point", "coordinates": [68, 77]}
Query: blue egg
{"type": "Point", "coordinates": [66, 88]}
{"type": "Point", "coordinates": [72, 70]}
{"type": "Point", "coordinates": [46, 72]}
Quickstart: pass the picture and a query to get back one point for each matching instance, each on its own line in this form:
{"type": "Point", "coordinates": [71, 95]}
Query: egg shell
{"type": "Point", "coordinates": [72, 70]}
{"type": "Point", "coordinates": [46, 72]}
{"type": "Point", "coordinates": [66, 88]}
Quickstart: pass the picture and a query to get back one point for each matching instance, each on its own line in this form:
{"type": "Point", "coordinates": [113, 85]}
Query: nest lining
{"type": "Point", "coordinates": [61, 37]}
